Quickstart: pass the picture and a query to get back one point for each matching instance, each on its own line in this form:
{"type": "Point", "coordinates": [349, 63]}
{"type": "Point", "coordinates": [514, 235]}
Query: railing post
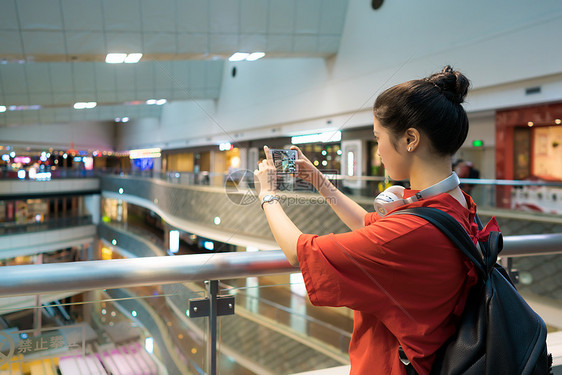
{"type": "Point", "coordinates": [212, 294]}
{"type": "Point", "coordinates": [212, 306]}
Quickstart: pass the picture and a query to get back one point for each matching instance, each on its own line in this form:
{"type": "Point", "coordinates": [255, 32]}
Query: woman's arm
{"type": "Point", "coordinates": [351, 213]}
{"type": "Point", "coordinates": [284, 230]}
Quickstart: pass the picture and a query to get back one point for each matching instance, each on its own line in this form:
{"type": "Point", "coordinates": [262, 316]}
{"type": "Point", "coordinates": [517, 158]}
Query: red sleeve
{"type": "Point", "coordinates": [397, 265]}
{"type": "Point", "coordinates": [371, 217]}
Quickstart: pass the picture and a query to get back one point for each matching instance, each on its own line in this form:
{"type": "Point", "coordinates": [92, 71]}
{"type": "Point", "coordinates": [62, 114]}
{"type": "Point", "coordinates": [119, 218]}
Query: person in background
{"type": "Point", "coordinates": [465, 169]}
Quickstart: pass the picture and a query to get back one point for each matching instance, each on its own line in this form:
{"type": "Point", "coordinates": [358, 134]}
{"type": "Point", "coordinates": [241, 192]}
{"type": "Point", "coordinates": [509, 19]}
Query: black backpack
{"type": "Point", "coordinates": [498, 332]}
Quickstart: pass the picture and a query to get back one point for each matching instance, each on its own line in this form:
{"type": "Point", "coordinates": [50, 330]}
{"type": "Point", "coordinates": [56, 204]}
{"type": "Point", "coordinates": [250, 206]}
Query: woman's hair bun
{"type": "Point", "coordinates": [453, 84]}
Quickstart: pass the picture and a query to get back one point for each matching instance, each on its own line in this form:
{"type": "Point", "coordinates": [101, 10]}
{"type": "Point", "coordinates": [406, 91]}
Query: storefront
{"type": "Point", "coordinates": [529, 147]}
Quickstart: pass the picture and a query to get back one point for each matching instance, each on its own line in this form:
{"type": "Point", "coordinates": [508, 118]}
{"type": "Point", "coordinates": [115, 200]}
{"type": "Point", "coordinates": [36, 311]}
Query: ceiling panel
{"type": "Point", "coordinates": [225, 16]}
{"type": "Point", "coordinates": [328, 43]}
{"type": "Point", "coordinates": [163, 92]}
{"type": "Point", "coordinates": [43, 42]}
{"type": "Point", "coordinates": [85, 15]}
{"type": "Point", "coordinates": [105, 76]}
{"type": "Point", "coordinates": [9, 16]}
{"type": "Point", "coordinates": [61, 77]}
{"type": "Point", "coordinates": [13, 78]}
{"type": "Point", "coordinates": [193, 16]}
{"type": "Point", "coordinates": [223, 43]}
{"type": "Point", "coordinates": [333, 16]}
{"type": "Point", "coordinates": [125, 77]}
{"type": "Point", "coordinates": [11, 44]}
{"type": "Point", "coordinates": [163, 76]}
{"type": "Point", "coordinates": [253, 16]}
{"type": "Point", "coordinates": [281, 17]}
{"type": "Point", "coordinates": [18, 99]}
{"type": "Point", "coordinates": [83, 75]}
{"type": "Point", "coordinates": [40, 14]}
{"type": "Point", "coordinates": [86, 96]}
{"type": "Point", "coordinates": [302, 43]}
{"type": "Point", "coordinates": [124, 42]}
{"type": "Point", "coordinates": [144, 76]}
{"type": "Point", "coordinates": [197, 74]}
{"type": "Point", "coordinates": [160, 42]}
{"type": "Point", "coordinates": [180, 74]}
{"type": "Point", "coordinates": [40, 78]}
{"type": "Point", "coordinates": [43, 98]}
{"type": "Point", "coordinates": [12, 117]}
{"type": "Point", "coordinates": [145, 94]}
{"type": "Point", "coordinates": [279, 43]}
{"type": "Point", "coordinates": [30, 117]}
{"type": "Point", "coordinates": [213, 74]}
{"type": "Point", "coordinates": [158, 16]}
{"type": "Point", "coordinates": [307, 16]}
{"type": "Point", "coordinates": [253, 42]}
{"type": "Point", "coordinates": [67, 98]}
{"type": "Point", "coordinates": [193, 43]}
{"type": "Point", "coordinates": [85, 43]}
{"type": "Point", "coordinates": [122, 15]}
{"type": "Point", "coordinates": [107, 96]}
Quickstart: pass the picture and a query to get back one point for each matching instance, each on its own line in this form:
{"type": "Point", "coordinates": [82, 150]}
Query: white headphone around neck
{"type": "Point", "coordinates": [391, 198]}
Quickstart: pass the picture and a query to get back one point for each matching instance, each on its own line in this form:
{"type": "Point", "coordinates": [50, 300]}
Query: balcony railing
{"type": "Point", "coordinates": [148, 271]}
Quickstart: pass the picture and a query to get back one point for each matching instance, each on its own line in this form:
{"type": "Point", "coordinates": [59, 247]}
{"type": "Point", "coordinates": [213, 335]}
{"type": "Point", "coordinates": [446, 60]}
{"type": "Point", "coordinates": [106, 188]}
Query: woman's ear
{"type": "Point", "coordinates": [412, 136]}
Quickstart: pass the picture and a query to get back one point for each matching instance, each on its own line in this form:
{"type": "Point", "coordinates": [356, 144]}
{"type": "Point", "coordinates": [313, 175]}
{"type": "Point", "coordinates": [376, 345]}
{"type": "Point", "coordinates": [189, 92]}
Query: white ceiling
{"type": "Point", "coordinates": [52, 51]}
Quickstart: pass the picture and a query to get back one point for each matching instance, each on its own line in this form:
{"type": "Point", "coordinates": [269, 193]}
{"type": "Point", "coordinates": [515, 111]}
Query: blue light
{"type": "Point", "coordinates": [209, 245]}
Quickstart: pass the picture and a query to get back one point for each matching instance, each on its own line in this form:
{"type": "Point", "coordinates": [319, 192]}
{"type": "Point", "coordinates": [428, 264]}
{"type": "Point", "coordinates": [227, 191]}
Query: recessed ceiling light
{"type": "Point", "coordinates": [161, 101]}
{"type": "Point", "coordinates": [115, 58]}
{"type": "Point", "coordinates": [125, 119]}
{"type": "Point", "coordinates": [85, 105]}
{"type": "Point", "coordinates": [133, 58]}
{"type": "Point", "coordinates": [255, 56]}
{"type": "Point", "coordinates": [239, 56]}
{"type": "Point", "coordinates": [151, 101]}
{"type": "Point", "coordinates": [557, 121]}
{"type": "Point", "coordinates": [530, 124]}
{"type": "Point", "coordinates": [2, 108]}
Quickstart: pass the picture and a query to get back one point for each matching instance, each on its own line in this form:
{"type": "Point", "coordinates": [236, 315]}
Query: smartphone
{"type": "Point", "coordinates": [284, 160]}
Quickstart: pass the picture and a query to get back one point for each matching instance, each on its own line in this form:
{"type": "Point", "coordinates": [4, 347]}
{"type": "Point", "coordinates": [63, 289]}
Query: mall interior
{"type": "Point", "coordinates": [131, 237]}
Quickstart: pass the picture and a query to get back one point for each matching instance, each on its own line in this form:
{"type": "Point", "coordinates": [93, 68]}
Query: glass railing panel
{"type": "Point", "coordinates": [131, 330]}
{"type": "Point", "coordinates": [278, 331]}
{"type": "Point", "coordinates": [7, 228]}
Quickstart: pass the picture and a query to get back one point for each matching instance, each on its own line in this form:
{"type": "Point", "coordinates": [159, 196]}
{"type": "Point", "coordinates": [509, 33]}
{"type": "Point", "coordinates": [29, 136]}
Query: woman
{"type": "Point", "coordinates": [405, 281]}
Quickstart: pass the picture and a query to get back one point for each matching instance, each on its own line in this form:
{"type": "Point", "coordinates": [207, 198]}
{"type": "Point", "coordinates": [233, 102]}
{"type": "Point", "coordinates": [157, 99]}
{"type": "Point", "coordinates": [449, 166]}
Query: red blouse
{"type": "Point", "coordinates": [405, 280]}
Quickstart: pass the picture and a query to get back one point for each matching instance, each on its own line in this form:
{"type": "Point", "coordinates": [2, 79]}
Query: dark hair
{"type": "Point", "coordinates": [432, 105]}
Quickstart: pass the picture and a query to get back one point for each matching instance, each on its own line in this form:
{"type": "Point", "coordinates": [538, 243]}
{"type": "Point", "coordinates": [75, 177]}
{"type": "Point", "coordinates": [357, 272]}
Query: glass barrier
{"type": "Point", "coordinates": [129, 331]}
{"type": "Point", "coordinates": [146, 330]}
{"type": "Point", "coordinates": [535, 196]}
{"type": "Point", "coordinates": [44, 225]}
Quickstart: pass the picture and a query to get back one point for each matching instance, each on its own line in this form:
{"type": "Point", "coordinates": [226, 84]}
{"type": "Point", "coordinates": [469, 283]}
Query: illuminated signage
{"type": "Point", "coordinates": [145, 153]}
{"type": "Point", "coordinates": [225, 146]}
{"type": "Point", "coordinates": [317, 138]}
{"type": "Point", "coordinates": [478, 143]}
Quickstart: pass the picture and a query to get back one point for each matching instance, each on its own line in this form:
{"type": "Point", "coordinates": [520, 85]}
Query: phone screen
{"type": "Point", "coordinates": [284, 160]}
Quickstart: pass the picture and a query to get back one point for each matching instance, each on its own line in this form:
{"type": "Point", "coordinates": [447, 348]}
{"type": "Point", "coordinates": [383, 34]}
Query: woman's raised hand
{"type": "Point", "coordinates": [305, 169]}
{"type": "Point", "coordinates": [265, 177]}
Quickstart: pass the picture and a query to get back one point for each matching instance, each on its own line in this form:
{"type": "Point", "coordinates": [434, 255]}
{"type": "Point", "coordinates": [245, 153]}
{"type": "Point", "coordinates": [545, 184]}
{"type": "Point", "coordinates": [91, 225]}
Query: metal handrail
{"type": "Point", "coordinates": [119, 273]}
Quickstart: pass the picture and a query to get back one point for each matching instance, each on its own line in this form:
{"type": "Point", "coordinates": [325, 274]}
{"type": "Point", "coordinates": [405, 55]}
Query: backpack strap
{"type": "Point", "coordinates": [453, 230]}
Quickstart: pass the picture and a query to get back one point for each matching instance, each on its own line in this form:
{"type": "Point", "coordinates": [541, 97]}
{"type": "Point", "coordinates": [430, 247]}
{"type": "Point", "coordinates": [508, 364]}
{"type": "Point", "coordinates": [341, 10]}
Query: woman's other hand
{"type": "Point", "coordinates": [306, 170]}
{"type": "Point", "coordinates": [265, 177]}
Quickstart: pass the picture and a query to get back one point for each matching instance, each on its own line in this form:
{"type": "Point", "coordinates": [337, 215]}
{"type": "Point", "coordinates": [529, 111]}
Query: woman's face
{"type": "Point", "coordinates": [395, 161]}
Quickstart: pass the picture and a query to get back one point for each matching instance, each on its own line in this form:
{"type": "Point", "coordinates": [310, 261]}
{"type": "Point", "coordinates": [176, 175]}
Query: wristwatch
{"type": "Point", "coordinates": [268, 198]}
